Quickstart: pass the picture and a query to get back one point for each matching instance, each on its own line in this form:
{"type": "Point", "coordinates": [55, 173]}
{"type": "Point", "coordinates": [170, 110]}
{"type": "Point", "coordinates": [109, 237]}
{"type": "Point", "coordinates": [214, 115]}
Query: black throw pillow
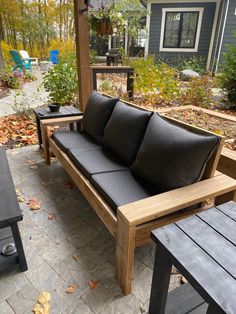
{"type": "Point", "coordinates": [125, 130]}
{"type": "Point", "coordinates": [171, 156]}
{"type": "Point", "coordinates": [98, 111]}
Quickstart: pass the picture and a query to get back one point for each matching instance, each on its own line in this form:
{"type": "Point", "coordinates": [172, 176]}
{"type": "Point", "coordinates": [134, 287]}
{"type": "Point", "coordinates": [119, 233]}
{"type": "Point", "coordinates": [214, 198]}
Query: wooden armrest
{"type": "Point", "coordinates": [55, 121]}
{"type": "Point", "coordinates": [166, 203]}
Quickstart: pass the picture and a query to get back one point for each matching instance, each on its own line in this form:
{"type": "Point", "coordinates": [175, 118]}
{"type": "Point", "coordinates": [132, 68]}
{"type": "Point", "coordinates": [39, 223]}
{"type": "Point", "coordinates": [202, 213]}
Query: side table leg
{"type": "Point", "coordinates": [45, 134]}
{"type": "Point", "coordinates": [39, 132]}
{"type": "Point", "coordinates": [160, 282]}
{"type": "Point", "coordinates": [19, 247]}
{"type": "Point", "coordinates": [214, 309]}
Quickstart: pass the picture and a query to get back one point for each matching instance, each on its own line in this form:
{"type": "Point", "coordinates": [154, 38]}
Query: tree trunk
{"type": "Point", "coordinates": [1, 57]}
{"type": "Point", "coordinates": [2, 37]}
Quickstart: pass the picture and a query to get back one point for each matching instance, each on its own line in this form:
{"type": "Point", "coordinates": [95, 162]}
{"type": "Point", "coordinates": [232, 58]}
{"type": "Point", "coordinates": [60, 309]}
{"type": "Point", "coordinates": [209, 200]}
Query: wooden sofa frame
{"type": "Point", "coordinates": [133, 223]}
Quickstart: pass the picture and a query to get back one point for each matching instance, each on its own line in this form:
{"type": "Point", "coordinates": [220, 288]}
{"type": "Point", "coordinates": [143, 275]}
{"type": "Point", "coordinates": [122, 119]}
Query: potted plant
{"type": "Point", "coordinates": [61, 84]}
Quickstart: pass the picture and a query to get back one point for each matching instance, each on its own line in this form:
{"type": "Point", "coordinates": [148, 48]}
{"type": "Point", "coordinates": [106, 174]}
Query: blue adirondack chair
{"type": "Point", "coordinates": [20, 63]}
{"type": "Point", "coordinates": [54, 56]}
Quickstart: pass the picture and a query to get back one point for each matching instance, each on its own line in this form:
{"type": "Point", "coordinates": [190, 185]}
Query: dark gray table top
{"type": "Point", "coordinates": [65, 111]}
{"type": "Point", "coordinates": [10, 211]}
{"type": "Point", "coordinates": [203, 248]}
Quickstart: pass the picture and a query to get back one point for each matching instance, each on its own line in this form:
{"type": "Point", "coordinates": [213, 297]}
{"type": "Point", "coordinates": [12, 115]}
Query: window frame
{"type": "Point", "coordinates": [198, 30]}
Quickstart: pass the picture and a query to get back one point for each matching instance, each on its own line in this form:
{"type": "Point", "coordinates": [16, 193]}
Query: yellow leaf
{"type": "Point", "coordinates": [38, 309]}
{"type": "Point", "coordinates": [44, 297]}
{"type": "Point", "coordinates": [21, 199]}
{"type": "Point", "coordinates": [71, 288]}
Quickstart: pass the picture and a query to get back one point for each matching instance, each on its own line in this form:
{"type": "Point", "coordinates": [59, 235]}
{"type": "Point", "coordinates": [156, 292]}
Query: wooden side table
{"type": "Point", "coordinates": [10, 214]}
{"type": "Point", "coordinates": [203, 248]}
{"type": "Point", "coordinates": [45, 113]}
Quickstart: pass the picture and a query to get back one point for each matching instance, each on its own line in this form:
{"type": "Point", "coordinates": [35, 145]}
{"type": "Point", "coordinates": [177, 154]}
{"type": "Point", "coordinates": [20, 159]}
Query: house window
{"type": "Point", "coordinates": [181, 29]}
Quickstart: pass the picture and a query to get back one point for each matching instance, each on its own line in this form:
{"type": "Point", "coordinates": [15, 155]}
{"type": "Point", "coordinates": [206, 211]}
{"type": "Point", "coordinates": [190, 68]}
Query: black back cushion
{"type": "Point", "coordinates": [125, 130]}
{"type": "Point", "coordinates": [98, 111]}
{"type": "Point", "coordinates": [170, 156]}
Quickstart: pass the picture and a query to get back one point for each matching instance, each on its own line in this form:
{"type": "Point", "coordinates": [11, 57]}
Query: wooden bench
{"type": "Point", "coordinates": [10, 214]}
{"type": "Point", "coordinates": [203, 249]}
{"type": "Point", "coordinates": [132, 224]}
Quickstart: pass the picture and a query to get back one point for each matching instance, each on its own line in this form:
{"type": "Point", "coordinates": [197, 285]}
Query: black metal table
{"type": "Point", "coordinates": [10, 214]}
{"type": "Point", "coordinates": [203, 248]}
{"type": "Point", "coordinates": [45, 113]}
{"type": "Point", "coordinates": [129, 71]}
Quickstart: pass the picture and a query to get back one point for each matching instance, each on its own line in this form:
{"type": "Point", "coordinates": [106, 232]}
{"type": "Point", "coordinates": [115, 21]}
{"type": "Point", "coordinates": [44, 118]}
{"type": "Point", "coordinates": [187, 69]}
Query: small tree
{"type": "Point", "coordinates": [228, 75]}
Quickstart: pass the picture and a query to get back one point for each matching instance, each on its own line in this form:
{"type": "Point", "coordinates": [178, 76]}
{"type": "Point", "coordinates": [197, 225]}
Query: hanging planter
{"type": "Point", "coordinates": [103, 26]}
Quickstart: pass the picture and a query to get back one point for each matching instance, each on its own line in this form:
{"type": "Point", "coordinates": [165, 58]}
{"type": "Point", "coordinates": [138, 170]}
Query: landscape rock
{"type": "Point", "coordinates": [187, 75]}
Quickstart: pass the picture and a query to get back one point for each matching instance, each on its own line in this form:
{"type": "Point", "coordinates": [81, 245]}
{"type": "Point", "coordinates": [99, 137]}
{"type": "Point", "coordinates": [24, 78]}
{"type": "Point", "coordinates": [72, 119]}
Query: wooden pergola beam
{"type": "Point", "coordinates": [82, 53]}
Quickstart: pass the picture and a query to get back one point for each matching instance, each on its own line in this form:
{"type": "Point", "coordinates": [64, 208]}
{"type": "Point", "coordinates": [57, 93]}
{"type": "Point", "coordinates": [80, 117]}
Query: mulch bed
{"type": "Point", "coordinates": [214, 124]}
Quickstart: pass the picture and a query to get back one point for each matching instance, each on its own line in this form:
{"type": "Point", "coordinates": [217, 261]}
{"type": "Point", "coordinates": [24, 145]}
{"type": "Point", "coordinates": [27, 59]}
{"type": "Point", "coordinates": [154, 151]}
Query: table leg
{"type": "Point", "coordinates": [39, 131]}
{"type": "Point", "coordinates": [19, 247]}
{"type": "Point", "coordinates": [214, 309]}
{"type": "Point", "coordinates": [46, 150]}
{"type": "Point", "coordinates": [160, 281]}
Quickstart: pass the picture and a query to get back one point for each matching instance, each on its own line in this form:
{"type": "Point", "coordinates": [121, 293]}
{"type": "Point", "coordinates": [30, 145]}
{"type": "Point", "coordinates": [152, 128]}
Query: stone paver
{"type": "Point", "coordinates": [51, 244]}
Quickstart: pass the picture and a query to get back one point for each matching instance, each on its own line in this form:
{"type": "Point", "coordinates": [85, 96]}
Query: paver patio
{"type": "Point", "coordinates": [50, 246]}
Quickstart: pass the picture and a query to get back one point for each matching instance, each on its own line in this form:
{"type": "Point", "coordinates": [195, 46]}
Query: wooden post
{"type": "Point", "coordinates": [82, 53]}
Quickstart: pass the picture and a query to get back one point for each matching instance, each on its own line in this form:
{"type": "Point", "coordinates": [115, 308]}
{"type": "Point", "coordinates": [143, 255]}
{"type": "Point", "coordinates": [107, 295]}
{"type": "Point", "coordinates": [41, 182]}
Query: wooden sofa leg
{"type": "Point", "coordinates": [45, 135]}
{"type": "Point", "coordinates": [230, 196]}
{"type": "Point", "coordinates": [125, 247]}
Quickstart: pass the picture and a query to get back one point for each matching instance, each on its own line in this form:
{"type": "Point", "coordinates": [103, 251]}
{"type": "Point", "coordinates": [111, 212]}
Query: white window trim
{"type": "Point", "coordinates": [195, 49]}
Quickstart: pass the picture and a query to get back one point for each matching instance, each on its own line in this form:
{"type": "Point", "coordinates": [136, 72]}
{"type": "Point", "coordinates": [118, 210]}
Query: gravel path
{"type": "Point", "coordinates": [30, 90]}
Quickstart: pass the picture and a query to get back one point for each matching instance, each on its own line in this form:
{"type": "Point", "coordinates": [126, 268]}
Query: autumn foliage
{"type": "Point", "coordinates": [17, 131]}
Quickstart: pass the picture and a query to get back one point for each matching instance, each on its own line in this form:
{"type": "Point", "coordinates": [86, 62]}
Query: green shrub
{"type": "Point", "coordinates": [227, 78]}
{"type": "Point", "coordinates": [155, 79]}
{"type": "Point", "coordinates": [11, 79]}
{"type": "Point", "coordinates": [197, 64]}
{"type": "Point", "coordinates": [61, 82]}
{"type": "Point", "coordinates": [198, 93]}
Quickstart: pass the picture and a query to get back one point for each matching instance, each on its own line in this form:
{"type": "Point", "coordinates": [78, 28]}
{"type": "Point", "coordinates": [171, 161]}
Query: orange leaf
{"type": "Point", "coordinates": [71, 288]}
{"type": "Point", "coordinates": [69, 185]}
{"type": "Point", "coordinates": [34, 204]}
{"type": "Point", "coordinates": [76, 257]}
{"type": "Point", "coordinates": [93, 284]}
{"type": "Point", "coordinates": [52, 216]}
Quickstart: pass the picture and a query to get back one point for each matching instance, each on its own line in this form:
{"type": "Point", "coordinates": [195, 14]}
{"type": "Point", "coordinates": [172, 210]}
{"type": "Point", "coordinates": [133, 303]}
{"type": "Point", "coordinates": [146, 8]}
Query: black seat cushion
{"type": "Point", "coordinates": [118, 188]}
{"type": "Point", "coordinates": [95, 162]}
{"type": "Point", "coordinates": [98, 111]}
{"type": "Point", "coordinates": [74, 140]}
{"type": "Point", "coordinates": [170, 156]}
{"type": "Point", "coordinates": [125, 130]}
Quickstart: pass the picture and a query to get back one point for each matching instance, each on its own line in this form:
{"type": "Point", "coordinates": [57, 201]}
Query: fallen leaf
{"type": "Point", "coordinates": [38, 309]}
{"type": "Point", "coordinates": [21, 199]}
{"type": "Point", "coordinates": [30, 161]}
{"type": "Point", "coordinates": [76, 257]}
{"type": "Point", "coordinates": [93, 284]}
{"type": "Point", "coordinates": [183, 280]}
{"type": "Point", "coordinates": [44, 297]}
{"type": "Point", "coordinates": [52, 216]}
{"type": "Point", "coordinates": [43, 306]}
{"type": "Point", "coordinates": [35, 167]}
{"type": "Point", "coordinates": [71, 288]}
{"type": "Point", "coordinates": [34, 204]}
{"type": "Point", "coordinates": [69, 185]}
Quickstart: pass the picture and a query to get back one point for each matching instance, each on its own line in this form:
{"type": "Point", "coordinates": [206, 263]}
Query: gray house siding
{"type": "Point", "coordinates": [230, 27]}
{"type": "Point", "coordinates": [205, 35]}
